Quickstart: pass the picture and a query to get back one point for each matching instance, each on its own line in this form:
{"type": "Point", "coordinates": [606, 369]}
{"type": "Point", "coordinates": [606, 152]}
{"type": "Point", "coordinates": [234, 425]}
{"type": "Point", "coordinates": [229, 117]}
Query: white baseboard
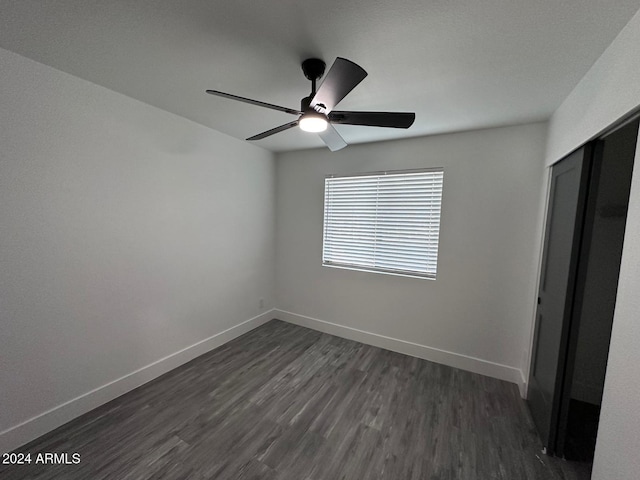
{"type": "Point", "coordinates": [456, 360]}
{"type": "Point", "coordinates": [31, 429]}
{"type": "Point", "coordinates": [523, 385]}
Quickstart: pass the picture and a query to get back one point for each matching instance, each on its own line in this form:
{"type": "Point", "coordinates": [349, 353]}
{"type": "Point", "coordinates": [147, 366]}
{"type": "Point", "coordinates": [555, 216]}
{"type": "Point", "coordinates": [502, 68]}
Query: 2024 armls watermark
{"type": "Point", "coordinates": [42, 458]}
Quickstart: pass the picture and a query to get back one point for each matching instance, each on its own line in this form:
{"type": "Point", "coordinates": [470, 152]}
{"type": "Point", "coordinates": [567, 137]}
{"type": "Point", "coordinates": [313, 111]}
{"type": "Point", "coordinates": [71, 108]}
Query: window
{"type": "Point", "coordinates": [386, 222]}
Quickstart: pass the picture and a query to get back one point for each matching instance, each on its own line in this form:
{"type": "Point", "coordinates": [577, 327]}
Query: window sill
{"type": "Point", "coordinates": [383, 272]}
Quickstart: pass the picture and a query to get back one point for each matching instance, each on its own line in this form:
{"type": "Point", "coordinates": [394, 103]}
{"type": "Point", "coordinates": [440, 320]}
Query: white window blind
{"type": "Point", "coordinates": [383, 222]}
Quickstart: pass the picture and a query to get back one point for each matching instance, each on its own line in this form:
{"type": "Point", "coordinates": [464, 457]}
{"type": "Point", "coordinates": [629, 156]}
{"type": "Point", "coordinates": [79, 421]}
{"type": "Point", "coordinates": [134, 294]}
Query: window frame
{"type": "Point", "coordinates": [428, 275]}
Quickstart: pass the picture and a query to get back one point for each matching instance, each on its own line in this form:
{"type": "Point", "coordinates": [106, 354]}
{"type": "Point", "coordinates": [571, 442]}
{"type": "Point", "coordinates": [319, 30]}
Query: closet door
{"type": "Point", "coordinates": [565, 216]}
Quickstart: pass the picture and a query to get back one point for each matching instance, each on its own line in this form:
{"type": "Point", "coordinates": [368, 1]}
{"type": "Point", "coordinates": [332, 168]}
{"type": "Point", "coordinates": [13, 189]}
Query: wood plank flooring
{"type": "Point", "coordinates": [288, 403]}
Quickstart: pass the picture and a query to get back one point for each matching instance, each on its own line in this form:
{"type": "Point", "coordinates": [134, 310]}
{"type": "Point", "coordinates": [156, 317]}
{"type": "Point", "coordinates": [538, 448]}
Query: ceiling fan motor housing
{"type": "Point", "coordinates": [305, 104]}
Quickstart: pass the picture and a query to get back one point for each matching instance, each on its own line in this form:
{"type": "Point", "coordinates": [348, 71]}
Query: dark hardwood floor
{"type": "Point", "coordinates": [285, 402]}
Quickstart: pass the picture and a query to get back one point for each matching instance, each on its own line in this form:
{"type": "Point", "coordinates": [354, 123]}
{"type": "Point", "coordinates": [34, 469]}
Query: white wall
{"type": "Point", "coordinates": [127, 234]}
{"type": "Point", "coordinates": [477, 314]}
{"type": "Point", "coordinates": [609, 91]}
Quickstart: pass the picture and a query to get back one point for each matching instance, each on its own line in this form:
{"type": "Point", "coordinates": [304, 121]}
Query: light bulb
{"type": "Point", "coordinates": [313, 122]}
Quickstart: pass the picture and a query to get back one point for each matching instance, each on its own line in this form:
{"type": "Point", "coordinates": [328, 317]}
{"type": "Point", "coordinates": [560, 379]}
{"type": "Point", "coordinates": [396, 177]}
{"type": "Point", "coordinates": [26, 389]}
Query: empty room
{"type": "Point", "coordinates": [299, 240]}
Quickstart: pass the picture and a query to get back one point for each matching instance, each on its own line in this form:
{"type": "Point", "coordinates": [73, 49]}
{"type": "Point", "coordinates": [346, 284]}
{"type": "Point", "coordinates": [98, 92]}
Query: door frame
{"type": "Point", "coordinates": [598, 146]}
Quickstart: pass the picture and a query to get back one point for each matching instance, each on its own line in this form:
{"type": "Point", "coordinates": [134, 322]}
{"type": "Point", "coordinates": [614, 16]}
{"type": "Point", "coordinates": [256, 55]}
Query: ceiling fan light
{"type": "Point", "coordinates": [313, 122]}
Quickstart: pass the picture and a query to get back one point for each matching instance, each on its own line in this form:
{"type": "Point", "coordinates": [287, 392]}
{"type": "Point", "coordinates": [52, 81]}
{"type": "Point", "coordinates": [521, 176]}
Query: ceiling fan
{"type": "Point", "coordinates": [317, 112]}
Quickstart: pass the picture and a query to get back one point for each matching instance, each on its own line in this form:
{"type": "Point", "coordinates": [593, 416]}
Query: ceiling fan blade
{"type": "Point", "coordinates": [374, 119]}
{"type": "Point", "coordinates": [255, 102]}
{"type": "Point", "coordinates": [332, 139]}
{"type": "Point", "coordinates": [279, 129]}
{"type": "Point", "coordinates": [343, 77]}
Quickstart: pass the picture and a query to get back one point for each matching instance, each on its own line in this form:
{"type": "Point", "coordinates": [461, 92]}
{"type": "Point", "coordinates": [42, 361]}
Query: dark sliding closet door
{"type": "Point", "coordinates": [569, 181]}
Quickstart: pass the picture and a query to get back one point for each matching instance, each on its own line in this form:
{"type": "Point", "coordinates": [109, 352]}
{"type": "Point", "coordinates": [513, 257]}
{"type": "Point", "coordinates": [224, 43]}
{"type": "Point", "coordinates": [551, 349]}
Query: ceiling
{"type": "Point", "coordinates": [459, 64]}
